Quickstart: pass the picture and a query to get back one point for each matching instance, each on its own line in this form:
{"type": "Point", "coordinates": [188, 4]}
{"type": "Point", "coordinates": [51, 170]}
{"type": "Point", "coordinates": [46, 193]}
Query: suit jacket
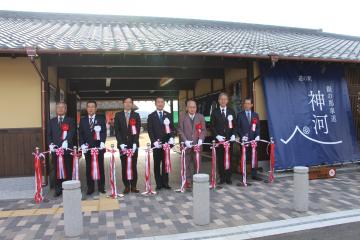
{"type": "Point", "coordinates": [156, 129]}
{"type": "Point", "coordinates": [187, 128]}
{"type": "Point", "coordinates": [244, 127]}
{"type": "Point", "coordinates": [54, 132]}
{"type": "Point", "coordinates": [220, 126]}
{"type": "Point", "coordinates": [123, 133]}
{"type": "Point", "coordinates": [86, 136]}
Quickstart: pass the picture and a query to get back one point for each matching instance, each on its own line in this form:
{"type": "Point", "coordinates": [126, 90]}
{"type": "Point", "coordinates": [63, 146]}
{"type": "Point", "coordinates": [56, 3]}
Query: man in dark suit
{"type": "Point", "coordinates": [248, 128]}
{"type": "Point", "coordinates": [161, 130]}
{"type": "Point", "coordinates": [127, 130]}
{"type": "Point", "coordinates": [89, 138]}
{"type": "Point", "coordinates": [222, 123]}
{"type": "Point", "coordinates": [61, 134]}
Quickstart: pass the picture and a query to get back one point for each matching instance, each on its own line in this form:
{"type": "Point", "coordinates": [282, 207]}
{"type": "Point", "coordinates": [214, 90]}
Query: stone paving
{"type": "Point", "coordinates": [170, 212]}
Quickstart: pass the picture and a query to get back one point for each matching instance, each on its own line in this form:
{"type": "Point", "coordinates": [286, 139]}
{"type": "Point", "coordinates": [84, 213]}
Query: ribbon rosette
{"type": "Point", "coordinates": [198, 128]}
{"type": "Point", "coordinates": [132, 123]}
{"type": "Point", "coordinates": [167, 125]}
{"type": "Point", "coordinates": [97, 130]}
{"type": "Point", "coordinates": [230, 121]}
{"type": "Point", "coordinates": [64, 129]}
{"type": "Point", "coordinates": [253, 124]}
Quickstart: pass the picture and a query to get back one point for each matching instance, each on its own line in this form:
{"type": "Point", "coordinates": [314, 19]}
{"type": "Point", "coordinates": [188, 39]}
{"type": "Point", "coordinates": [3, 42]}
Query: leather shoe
{"type": "Point", "coordinates": [256, 178]}
{"type": "Point", "coordinates": [57, 193]}
{"type": "Point", "coordinates": [229, 182]}
{"type": "Point", "coordinates": [166, 186]}
{"type": "Point", "coordinates": [126, 190]}
{"type": "Point", "coordinates": [90, 191]}
{"type": "Point", "coordinates": [158, 188]}
{"type": "Point", "coordinates": [135, 190]}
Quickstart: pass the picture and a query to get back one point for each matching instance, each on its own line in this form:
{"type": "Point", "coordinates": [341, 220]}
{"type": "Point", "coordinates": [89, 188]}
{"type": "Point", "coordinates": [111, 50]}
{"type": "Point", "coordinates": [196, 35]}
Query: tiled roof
{"type": "Point", "coordinates": [59, 32]}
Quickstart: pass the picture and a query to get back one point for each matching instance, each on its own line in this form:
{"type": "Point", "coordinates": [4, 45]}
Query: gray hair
{"type": "Point", "coordinates": [222, 94]}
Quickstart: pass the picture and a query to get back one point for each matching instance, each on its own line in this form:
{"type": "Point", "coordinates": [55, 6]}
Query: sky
{"type": "Point", "coordinates": [342, 17]}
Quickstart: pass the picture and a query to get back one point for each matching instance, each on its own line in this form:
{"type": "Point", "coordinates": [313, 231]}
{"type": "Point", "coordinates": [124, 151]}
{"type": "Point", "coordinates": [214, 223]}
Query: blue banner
{"type": "Point", "coordinates": [309, 114]}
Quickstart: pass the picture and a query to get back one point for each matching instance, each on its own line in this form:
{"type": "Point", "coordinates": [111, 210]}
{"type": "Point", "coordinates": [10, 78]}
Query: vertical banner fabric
{"type": "Point", "coordinates": [309, 114]}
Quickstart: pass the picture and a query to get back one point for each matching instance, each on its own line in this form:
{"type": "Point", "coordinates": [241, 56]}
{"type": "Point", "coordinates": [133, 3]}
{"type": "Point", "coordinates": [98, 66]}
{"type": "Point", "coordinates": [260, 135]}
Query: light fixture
{"type": "Point", "coordinates": [165, 81]}
{"type": "Point", "coordinates": [108, 82]}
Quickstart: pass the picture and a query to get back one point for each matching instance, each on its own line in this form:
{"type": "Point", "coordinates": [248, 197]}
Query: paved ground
{"type": "Point", "coordinates": [170, 212]}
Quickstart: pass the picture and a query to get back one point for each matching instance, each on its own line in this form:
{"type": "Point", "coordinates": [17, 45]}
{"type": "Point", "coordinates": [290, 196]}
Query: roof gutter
{"type": "Point", "coordinates": [22, 51]}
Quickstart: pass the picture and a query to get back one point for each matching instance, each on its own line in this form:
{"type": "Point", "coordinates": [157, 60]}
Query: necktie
{"type": "Point", "coordinates": [248, 116]}
{"type": "Point", "coordinates": [127, 115]}
{"type": "Point", "coordinates": [91, 123]}
{"type": "Point", "coordinates": [161, 116]}
{"type": "Point", "coordinates": [223, 113]}
{"type": "Point", "coordinates": [61, 119]}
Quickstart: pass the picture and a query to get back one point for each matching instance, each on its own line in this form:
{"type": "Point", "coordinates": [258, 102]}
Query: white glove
{"type": "Point", "coordinates": [171, 141]}
{"type": "Point", "coordinates": [188, 143]}
{"type": "Point", "coordinates": [257, 138]}
{"type": "Point", "coordinates": [51, 147]}
{"type": "Point", "coordinates": [84, 148]}
{"type": "Point", "coordinates": [102, 145]}
{"type": "Point", "coordinates": [122, 146]}
{"type": "Point", "coordinates": [220, 138]}
{"type": "Point", "coordinates": [134, 147]}
{"type": "Point", "coordinates": [244, 139]}
{"type": "Point", "coordinates": [232, 138]}
{"type": "Point", "coordinates": [200, 142]}
{"type": "Point", "coordinates": [64, 144]}
{"type": "Point", "coordinates": [157, 144]}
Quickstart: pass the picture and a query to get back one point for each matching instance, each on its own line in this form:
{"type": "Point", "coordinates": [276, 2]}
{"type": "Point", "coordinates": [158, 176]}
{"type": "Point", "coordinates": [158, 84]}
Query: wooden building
{"type": "Point", "coordinates": [45, 57]}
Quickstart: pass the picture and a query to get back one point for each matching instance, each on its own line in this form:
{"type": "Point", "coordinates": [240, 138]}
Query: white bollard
{"type": "Point", "coordinates": [73, 218]}
{"type": "Point", "coordinates": [301, 189]}
{"type": "Point", "coordinates": [201, 199]}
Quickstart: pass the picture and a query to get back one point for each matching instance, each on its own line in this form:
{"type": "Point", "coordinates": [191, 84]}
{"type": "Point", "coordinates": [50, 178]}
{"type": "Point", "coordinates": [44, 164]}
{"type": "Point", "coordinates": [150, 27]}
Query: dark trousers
{"type": "Point", "coordinates": [248, 161]}
{"type": "Point", "coordinates": [67, 167]}
{"type": "Point", "coordinates": [161, 177]}
{"type": "Point", "coordinates": [89, 180]}
{"type": "Point", "coordinates": [126, 182]}
{"type": "Point", "coordinates": [224, 175]}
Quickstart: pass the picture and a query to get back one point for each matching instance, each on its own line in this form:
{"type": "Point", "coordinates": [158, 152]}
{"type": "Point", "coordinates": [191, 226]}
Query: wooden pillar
{"type": "Point", "coordinates": [250, 79]}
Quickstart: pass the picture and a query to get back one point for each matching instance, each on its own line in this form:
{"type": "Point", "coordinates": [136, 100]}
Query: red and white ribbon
{"type": "Point", "coordinates": [253, 154]}
{"type": "Point", "coordinates": [166, 148]}
{"type": "Point", "coordinates": [230, 121]}
{"type": "Point", "coordinates": [183, 168]}
{"type": "Point", "coordinates": [197, 158]}
{"type": "Point", "coordinates": [75, 169]}
{"type": "Point", "coordinates": [226, 155]}
{"type": "Point", "coordinates": [213, 166]}
{"type": "Point", "coordinates": [148, 187]}
{"type": "Point", "coordinates": [60, 164]}
{"type": "Point", "coordinates": [272, 162]}
{"type": "Point", "coordinates": [132, 122]}
{"type": "Point", "coordinates": [253, 124]}
{"type": "Point", "coordinates": [167, 125]}
{"type": "Point", "coordinates": [112, 172]}
{"type": "Point", "coordinates": [95, 171]}
{"type": "Point", "coordinates": [97, 130]}
{"type": "Point", "coordinates": [129, 172]}
{"type": "Point", "coordinates": [38, 177]}
{"type": "Point", "coordinates": [243, 164]}
{"type": "Point", "coordinates": [198, 128]}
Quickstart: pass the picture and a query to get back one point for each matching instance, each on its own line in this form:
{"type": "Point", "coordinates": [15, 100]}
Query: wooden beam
{"type": "Point", "coordinates": [138, 73]}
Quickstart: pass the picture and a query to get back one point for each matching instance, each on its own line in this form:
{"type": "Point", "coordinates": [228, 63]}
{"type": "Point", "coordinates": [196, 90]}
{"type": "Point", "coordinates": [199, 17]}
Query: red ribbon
{"type": "Point", "coordinates": [95, 171]}
{"type": "Point", "coordinates": [75, 170]}
{"type": "Point", "coordinates": [60, 163]}
{"type": "Point", "coordinates": [132, 123]}
{"type": "Point", "coordinates": [213, 165]}
{"type": "Point", "coordinates": [243, 163]}
{"type": "Point", "coordinates": [148, 187]}
{"type": "Point", "coordinates": [64, 129]}
{"type": "Point", "coordinates": [166, 148]}
{"type": "Point", "coordinates": [112, 173]}
{"type": "Point", "coordinates": [38, 177]}
{"type": "Point", "coordinates": [272, 162]}
{"type": "Point", "coordinates": [226, 155]}
{"type": "Point", "coordinates": [253, 154]}
{"type": "Point", "coordinates": [197, 157]}
{"type": "Point", "coordinates": [183, 169]}
{"type": "Point", "coordinates": [129, 172]}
